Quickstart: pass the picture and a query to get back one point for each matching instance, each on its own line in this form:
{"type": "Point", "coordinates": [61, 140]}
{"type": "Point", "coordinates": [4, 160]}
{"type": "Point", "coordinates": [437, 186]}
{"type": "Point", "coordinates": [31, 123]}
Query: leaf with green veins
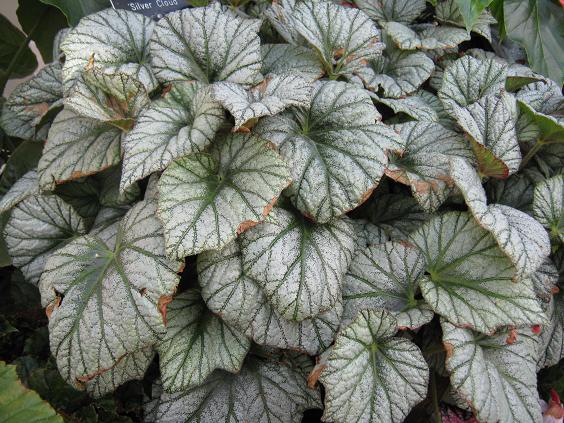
{"type": "Point", "coordinates": [425, 36]}
{"type": "Point", "coordinates": [413, 106]}
{"type": "Point", "coordinates": [280, 15]}
{"type": "Point", "coordinates": [197, 44]}
{"type": "Point", "coordinates": [23, 159]}
{"type": "Point", "coordinates": [206, 200]}
{"type": "Point", "coordinates": [77, 147]}
{"type": "Point", "coordinates": [37, 227]}
{"type": "Point", "coordinates": [232, 294]}
{"type": "Point", "coordinates": [404, 11]}
{"type": "Point", "coordinates": [264, 391]}
{"type": "Point", "coordinates": [548, 206]}
{"type": "Point", "coordinates": [367, 234]}
{"type": "Point", "coordinates": [183, 121]}
{"type": "Point", "coordinates": [494, 375]}
{"type": "Point", "coordinates": [428, 178]}
{"type": "Point", "coordinates": [196, 343]}
{"type": "Point", "coordinates": [385, 276]}
{"type": "Point", "coordinates": [515, 191]}
{"type": "Point", "coordinates": [335, 149]}
{"type": "Point", "coordinates": [24, 187]}
{"type": "Point", "coordinates": [464, 13]}
{"type": "Point", "coordinates": [471, 281]}
{"type": "Point", "coordinates": [75, 10]}
{"type": "Point", "coordinates": [114, 286]}
{"type": "Point", "coordinates": [372, 375]}
{"type": "Point", "coordinates": [30, 102]}
{"type": "Point", "coordinates": [298, 264]}
{"type": "Point", "coordinates": [286, 58]}
{"type": "Point", "coordinates": [344, 38]}
{"type": "Point", "coordinates": [124, 47]}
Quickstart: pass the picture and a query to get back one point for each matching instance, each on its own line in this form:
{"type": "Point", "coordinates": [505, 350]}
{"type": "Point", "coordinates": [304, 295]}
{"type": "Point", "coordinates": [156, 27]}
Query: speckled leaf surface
{"type": "Point", "coordinates": [372, 375]}
{"type": "Point", "coordinates": [287, 58]}
{"type": "Point", "coordinates": [206, 200]}
{"type": "Point", "coordinates": [183, 121]}
{"type": "Point", "coordinates": [77, 147]}
{"type": "Point", "coordinates": [497, 378]}
{"type": "Point", "coordinates": [405, 11]}
{"type": "Point", "coordinates": [113, 286]}
{"type": "Point", "coordinates": [367, 234]}
{"type": "Point", "coordinates": [240, 301]}
{"type": "Point", "coordinates": [263, 392]}
{"type": "Point", "coordinates": [24, 187]}
{"type": "Point", "coordinates": [38, 226]}
{"type": "Point", "coordinates": [399, 215]}
{"type": "Point", "coordinates": [270, 97]}
{"type": "Point", "coordinates": [425, 36]}
{"type": "Point", "coordinates": [116, 40]}
{"type": "Point", "coordinates": [280, 15]}
{"type": "Point", "coordinates": [198, 44]}
{"type": "Point", "coordinates": [343, 37]}
{"type": "Point", "coordinates": [548, 206]}
{"type": "Point", "coordinates": [196, 343]}
{"type": "Point", "coordinates": [385, 276]}
{"type": "Point", "coordinates": [519, 236]}
{"type": "Point", "coordinates": [30, 102]}
{"type": "Point", "coordinates": [471, 281]}
{"type": "Point", "coordinates": [336, 150]}
{"type": "Point", "coordinates": [448, 11]}
{"type": "Point", "coordinates": [298, 264]}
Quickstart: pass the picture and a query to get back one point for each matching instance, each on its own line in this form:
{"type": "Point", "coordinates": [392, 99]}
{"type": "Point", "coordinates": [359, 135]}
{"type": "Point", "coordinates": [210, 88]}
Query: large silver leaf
{"type": "Point", "coordinates": [286, 58]}
{"type": "Point", "coordinates": [425, 36]}
{"type": "Point", "coordinates": [280, 15]}
{"type": "Point", "coordinates": [367, 234]}
{"type": "Point", "coordinates": [115, 40]}
{"type": "Point", "coordinates": [38, 226]}
{"type": "Point", "coordinates": [24, 187]}
{"type": "Point", "coordinates": [372, 375]}
{"type": "Point", "coordinates": [397, 73]}
{"type": "Point", "coordinates": [335, 149]}
{"type": "Point", "coordinates": [274, 94]}
{"type": "Point", "coordinates": [196, 343]}
{"type": "Point", "coordinates": [298, 264]}
{"type": "Point", "coordinates": [77, 147]}
{"type": "Point", "coordinates": [345, 38]}
{"type": "Point", "coordinates": [405, 11]}
{"type": "Point", "coordinates": [113, 287]}
{"type": "Point", "coordinates": [386, 276]}
{"type": "Point", "coordinates": [448, 11]}
{"type": "Point", "coordinates": [207, 44]}
{"type": "Point", "coordinates": [206, 200]}
{"type": "Point", "coordinates": [548, 206]}
{"type": "Point", "coordinates": [518, 235]}
{"type": "Point", "coordinates": [263, 392]}
{"type": "Point", "coordinates": [181, 122]}
{"type": "Point", "coordinates": [25, 108]}
{"type": "Point", "coordinates": [239, 300]}
{"type": "Point", "coordinates": [471, 281]}
{"type": "Point", "coordinates": [495, 375]}
{"type": "Point", "coordinates": [424, 163]}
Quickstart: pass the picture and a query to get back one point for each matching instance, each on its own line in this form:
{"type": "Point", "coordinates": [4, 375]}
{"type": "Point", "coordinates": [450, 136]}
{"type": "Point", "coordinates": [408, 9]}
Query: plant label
{"type": "Point", "coordinates": [153, 8]}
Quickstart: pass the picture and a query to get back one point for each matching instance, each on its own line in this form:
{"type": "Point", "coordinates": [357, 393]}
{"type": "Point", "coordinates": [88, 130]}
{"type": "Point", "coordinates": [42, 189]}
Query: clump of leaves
{"type": "Point", "coordinates": [350, 182]}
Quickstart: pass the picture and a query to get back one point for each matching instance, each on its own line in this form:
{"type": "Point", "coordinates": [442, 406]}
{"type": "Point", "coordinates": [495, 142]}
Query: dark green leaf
{"type": "Point", "coordinates": [74, 10]}
{"type": "Point", "coordinates": [471, 10]}
{"type": "Point", "coordinates": [11, 39]}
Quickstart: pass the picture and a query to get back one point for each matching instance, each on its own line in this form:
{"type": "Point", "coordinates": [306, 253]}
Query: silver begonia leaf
{"type": "Point", "coordinates": [397, 214]}
{"type": "Point", "coordinates": [196, 343]}
{"type": "Point", "coordinates": [425, 36]}
{"type": "Point", "coordinates": [414, 106]}
{"type": "Point", "coordinates": [447, 11]}
{"type": "Point", "coordinates": [207, 44]}
{"type": "Point", "coordinates": [336, 149]}
{"type": "Point", "coordinates": [280, 15]}
{"type": "Point", "coordinates": [548, 206]}
{"type": "Point", "coordinates": [242, 303]}
{"type": "Point", "coordinates": [206, 200]}
{"type": "Point", "coordinates": [115, 40]}
{"type": "Point", "coordinates": [367, 234]}
{"type": "Point", "coordinates": [113, 287]}
{"type": "Point", "coordinates": [371, 375]}
{"type": "Point", "coordinates": [405, 11]}
{"type": "Point", "coordinates": [24, 187]}
{"type": "Point", "coordinates": [300, 265]}
{"type": "Point", "coordinates": [274, 94]}
{"type": "Point", "coordinates": [286, 58]}
{"type": "Point", "coordinates": [181, 122]}
{"type": "Point", "coordinates": [495, 375]}
{"type": "Point", "coordinates": [471, 281]}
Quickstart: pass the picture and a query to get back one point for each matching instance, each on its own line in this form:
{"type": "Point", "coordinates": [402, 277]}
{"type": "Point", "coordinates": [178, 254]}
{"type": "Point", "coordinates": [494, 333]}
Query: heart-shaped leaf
{"type": "Point", "coordinates": [405, 11]}
{"type": "Point", "coordinates": [24, 187]}
{"type": "Point", "coordinates": [425, 36]}
{"type": "Point", "coordinates": [286, 58]}
{"type": "Point", "coordinates": [471, 15]}
{"type": "Point", "coordinates": [548, 206]}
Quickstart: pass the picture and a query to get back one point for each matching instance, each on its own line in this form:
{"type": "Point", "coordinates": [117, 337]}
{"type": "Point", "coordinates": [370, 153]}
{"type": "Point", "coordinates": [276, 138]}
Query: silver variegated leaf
{"type": "Point", "coordinates": [425, 36]}
{"type": "Point", "coordinates": [447, 11]}
{"type": "Point", "coordinates": [263, 392]}
{"type": "Point", "coordinates": [548, 206]}
{"type": "Point", "coordinates": [113, 287]}
{"type": "Point", "coordinates": [37, 226]}
{"type": "Point", "coordinates": [182, 122]}
{"type": "Point", "coordinates": [196, 343]}
{"type": "Point", "coordinates": [367, 234]}
{"type": "Point", "coordinates": [405, 11]}
{"type": "Point", "coordinates": [386, 276]}
{"type": "Point", "coordinates": [300, 265]}
{"type": "Point", "coordinates": [471, 281]}
{"type": "Point", "coordinates": [239, 300]}
{"type": "Point", "coordinates": [200, 44]}
{"type": "Point", "coordinates": [518, 235]}
{"type": "Point", "coordinates": [206, 200]}
{"type": "Point", "coordinates": [287, 58]}
{"type": "Point", "coordinates": [371, 375]}
{"type": "Point", "coordinates": [115, 40]}
{"type": "Point", "coordinates": [344, 38]}
{"type": "Point", "coordinates": [274, 94]}
{"type": "Point", "coordinates": [495, 375]}
{"type": "Point", "coordinates": [77, 147]}
{"type": "Point", "coordinates": [280, 15]}
{"type": "Point", "coordinates": [515, 191]}
{"type": "Point", "coordinates": [413, 106]}
{"type": "Point", "coordinates": [424, 163]}
{"type": "Point", "coordinates": [335, 149]}
{"type": "Point", "coordinates": [397, 214]}
{"type": "Point", "coordinates": [31, 101]}
{"type": "Point", "coordinates": [24, 187]}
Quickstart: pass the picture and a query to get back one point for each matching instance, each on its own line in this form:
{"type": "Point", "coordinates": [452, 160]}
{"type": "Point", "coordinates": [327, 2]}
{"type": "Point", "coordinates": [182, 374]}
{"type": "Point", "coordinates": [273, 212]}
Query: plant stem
{"type": "Point", "coordinates": [539, 144]}
{"type": "Point", "coordinates": [435, 398]}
